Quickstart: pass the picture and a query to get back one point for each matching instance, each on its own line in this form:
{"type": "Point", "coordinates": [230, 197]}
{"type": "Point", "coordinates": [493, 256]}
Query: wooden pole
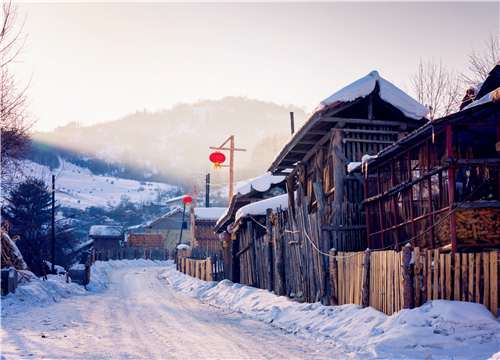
{"type": "Point", "coordinates": [407, 283]}
{"type": "Point", "coordinates": [365, 301]}
{"type": "Point", "coordinates": [333, 279]}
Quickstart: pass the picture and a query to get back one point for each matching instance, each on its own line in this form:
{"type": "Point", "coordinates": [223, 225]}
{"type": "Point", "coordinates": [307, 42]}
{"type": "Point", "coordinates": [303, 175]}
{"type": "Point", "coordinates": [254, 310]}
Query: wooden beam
{"type": "Point", "coordinates": [311, 152]}
{"type": "Point", "coordinates": [365, 131]}
{"type": "Point", "coordinates": [476, 205]}
{"type": "Point", "coordinates": [338, 152]}
{"type": "Point", "coordinates": [497, 146]}
{"type": "Point", "coordinates": [345, 140]}
{"type": "Point", "coordinates": [473, 161]}
{"type": "Point", "coordinates": [365, 121]}
{"type": "Point", "coordinates": [343, 228]}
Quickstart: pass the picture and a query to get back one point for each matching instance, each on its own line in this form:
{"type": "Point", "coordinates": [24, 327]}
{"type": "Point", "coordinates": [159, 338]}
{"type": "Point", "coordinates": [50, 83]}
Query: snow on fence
{"type": "Point", "coordinates": [131, 254]}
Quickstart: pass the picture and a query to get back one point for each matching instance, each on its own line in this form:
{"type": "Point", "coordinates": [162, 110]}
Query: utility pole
{"type": "Point", "coordinates": [207, 190]}
{"type": "Point", "coordinates": [231, 150]}
{"type": "Point", "coordinates": [53, 222]}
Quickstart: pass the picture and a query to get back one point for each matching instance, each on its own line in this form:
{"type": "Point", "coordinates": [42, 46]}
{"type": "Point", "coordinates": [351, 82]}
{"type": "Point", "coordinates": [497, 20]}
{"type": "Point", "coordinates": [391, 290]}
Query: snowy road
{"type": "Point", "coordinates": [141, 317]}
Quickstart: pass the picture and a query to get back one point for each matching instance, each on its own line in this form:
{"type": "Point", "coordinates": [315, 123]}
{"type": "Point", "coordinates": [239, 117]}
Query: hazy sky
{"type": "Point", "coordinates": [94, 62]}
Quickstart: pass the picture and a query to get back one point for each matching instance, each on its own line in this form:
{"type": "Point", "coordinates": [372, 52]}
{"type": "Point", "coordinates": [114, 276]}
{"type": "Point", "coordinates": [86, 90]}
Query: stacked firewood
{"type": "Point", "coordinates": [443, 230]}
{"type": "Point", "coordinates": [480, 225]}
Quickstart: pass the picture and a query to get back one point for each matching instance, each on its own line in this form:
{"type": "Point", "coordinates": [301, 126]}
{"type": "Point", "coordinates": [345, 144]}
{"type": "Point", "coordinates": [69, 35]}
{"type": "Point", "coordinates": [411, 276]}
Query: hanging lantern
{"type": "Point", "coordinates": [217, 158]}
{"type": "Point", "coordinates": [187, 200]}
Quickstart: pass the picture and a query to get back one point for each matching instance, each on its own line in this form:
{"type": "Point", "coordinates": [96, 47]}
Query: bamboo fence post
{"type": "Point", "coordinates": [457, 267]}
{"type": "Point", "coordinates": [418, 271]}
{"type": "Point", "coordinates": [494, 283]}
{"type": "Point", "coordinates": [486, 270]}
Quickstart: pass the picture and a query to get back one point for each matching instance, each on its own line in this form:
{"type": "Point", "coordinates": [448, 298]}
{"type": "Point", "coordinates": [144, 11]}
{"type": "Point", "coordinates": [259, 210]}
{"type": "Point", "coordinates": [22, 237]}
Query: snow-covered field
{"type": "Point", "coordinates": [146, 309]}
{"type": "Point", "coordinates": [78, 188]}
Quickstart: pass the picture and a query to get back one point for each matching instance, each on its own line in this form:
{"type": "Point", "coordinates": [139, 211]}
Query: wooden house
{"type": "Point", "coordinates": [203, 222]}
{"type": "Point", "coordinates": [260, 188]}
{"type": "Point", "coordinates": [439, 186]}
{"type": "Point", "coordinates": [146, 240]}
{"type": "Point", "coordinates": [106, 237]}
{"type": "Point", "coordinates": [170, 225]}
{"type": "Point", "coordinates": [361, 119]}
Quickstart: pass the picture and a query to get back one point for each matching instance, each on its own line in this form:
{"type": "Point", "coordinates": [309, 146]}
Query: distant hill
{"type": "Point", "coordinates": [173, 145]}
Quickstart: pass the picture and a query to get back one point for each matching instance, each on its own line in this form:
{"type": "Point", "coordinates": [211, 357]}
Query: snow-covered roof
{"type": "Point", "coordinates": [183, 247]}
{"type": "Point", "coordinates": [105, 230]}
{"type": "Point", "coordinates": [388, 92]}
{"type": "Point", "coordinates": [212, 213]}
{"type": "Point", "coordinates": [260, 207]}
{"type": "Point", "coordinates": [485, 99]}
{"type": "Point", "coordinates": [176, 210]}
{"type": "Point", "coordinates": [261, 183]}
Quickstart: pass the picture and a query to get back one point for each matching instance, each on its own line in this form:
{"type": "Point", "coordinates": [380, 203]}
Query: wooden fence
{"type": "Point", "coordinates": [378, 279]}
{"type": "Point", "coordinates": [208, 267]}
{"type": "Point", "coordinates": [132, 253]}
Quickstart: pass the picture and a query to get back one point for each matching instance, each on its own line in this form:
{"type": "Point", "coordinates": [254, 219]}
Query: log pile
{"type": "Point", "coordinates": [480, 225]}
{"type": "Point", "coordinates": [443, 237]}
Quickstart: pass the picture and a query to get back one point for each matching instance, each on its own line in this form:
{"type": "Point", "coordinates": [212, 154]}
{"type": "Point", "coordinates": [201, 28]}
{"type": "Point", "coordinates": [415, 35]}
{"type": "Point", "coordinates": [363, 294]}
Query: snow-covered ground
{"type": "Point", "coordinates": [78, 188]}
{"type": "Point", "coordinates": [146, 309]}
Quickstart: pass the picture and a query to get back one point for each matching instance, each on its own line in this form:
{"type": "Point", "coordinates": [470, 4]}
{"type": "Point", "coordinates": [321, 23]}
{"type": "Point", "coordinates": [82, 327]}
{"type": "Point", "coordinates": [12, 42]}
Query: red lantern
{"type": "Point", "coordinates": [217, 158]}
{"type": "Point", "coordinates": [187, 200]}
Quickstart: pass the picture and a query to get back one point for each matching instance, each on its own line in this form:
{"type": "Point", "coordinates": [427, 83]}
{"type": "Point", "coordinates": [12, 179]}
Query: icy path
{"type": "Point", "coordinates": [141, 317]}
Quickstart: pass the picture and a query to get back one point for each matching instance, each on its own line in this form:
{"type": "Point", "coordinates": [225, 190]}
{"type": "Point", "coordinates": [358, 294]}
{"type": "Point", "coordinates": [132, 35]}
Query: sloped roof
{"type": "Point", "coordinates": [211, 213]}
{"type": "Point", "coordinates": [391, 107]}
{"type": "Point", "coordinates": [387, 91]}
{"type": "Point", "coordinates": [260, 207]}
{"type": "Point", "coordinates": [246, 193]}
{"type": "Point", "coordinates": [175, 211]}
{"type": "Point", "coordinates": [106, 231]}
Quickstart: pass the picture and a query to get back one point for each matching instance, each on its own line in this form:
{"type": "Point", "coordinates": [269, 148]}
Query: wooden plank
{"type": "Point", "coordinates": [494, 283]}
{"type": "Point", "coordinates": [429, 274]}
{"type": "Point", "coordinates": [390, 282]}
{"type": "Point", "coordinates": [470, 292]}
{"type": "Point", "coordinates": [486, 276]}
{"type": "Point", "coordinates": [401, 292]}
{"type": "Point", "coordinates": [464, 277]}
{"type": "Point", "coordinates": [448, 276]}
{"type": "Point", "coordinates": [435, 295]}
{"type": "Point", "coordinates": [442, 279]}
{"type": "Point", "coordinates": [457, 268]}
{"type": "Point", "coordinates": [478, 278]}
{"type": "Point", "coordinates": [384, 281]}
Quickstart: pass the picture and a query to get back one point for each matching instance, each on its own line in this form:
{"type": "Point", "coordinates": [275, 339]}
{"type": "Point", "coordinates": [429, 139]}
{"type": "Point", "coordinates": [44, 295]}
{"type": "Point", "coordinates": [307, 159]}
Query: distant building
{"type": "Point", "coordinates": [145, 240]}
{"type": "Point", "coordinates": [203, 222]}
{"type": "Point", "coordinates": [170, 225]}
{"type": "Point", "coordinates": [106, 237]}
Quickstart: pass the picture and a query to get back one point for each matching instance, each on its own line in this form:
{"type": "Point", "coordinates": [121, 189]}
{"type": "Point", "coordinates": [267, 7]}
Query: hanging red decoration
{"type": "Point", "coordinates": [187, 200]}
{"type": "Point", "coordinates": [217, 158]}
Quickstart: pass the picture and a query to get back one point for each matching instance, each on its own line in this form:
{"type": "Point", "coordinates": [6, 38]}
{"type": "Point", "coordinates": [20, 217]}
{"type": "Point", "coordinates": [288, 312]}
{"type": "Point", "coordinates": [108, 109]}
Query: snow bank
{"type": "Point", "coordinates": [388, 92]}
{"type": "Point", "coordinates": [443, 329]}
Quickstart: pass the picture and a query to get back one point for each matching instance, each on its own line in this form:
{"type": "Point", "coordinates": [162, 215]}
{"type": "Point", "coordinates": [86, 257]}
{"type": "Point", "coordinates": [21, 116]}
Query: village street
{"type": "Point", "coordinates": [139, 316]}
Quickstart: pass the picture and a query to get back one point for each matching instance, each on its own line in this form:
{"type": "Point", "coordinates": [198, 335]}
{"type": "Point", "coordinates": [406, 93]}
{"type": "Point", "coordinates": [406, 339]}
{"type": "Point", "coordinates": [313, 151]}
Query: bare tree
{"type": "Point", "coordinates": [481, 61]}
{"type": "Point", "coordinates": [16, 119]}
{"type": "Point", "coordinates": [439, 89]}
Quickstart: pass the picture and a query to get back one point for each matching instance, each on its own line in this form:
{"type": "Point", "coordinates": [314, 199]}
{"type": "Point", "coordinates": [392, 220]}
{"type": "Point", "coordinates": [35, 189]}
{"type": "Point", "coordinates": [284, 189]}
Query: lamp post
{"type": "Point", "coordinates": [187, 201]}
